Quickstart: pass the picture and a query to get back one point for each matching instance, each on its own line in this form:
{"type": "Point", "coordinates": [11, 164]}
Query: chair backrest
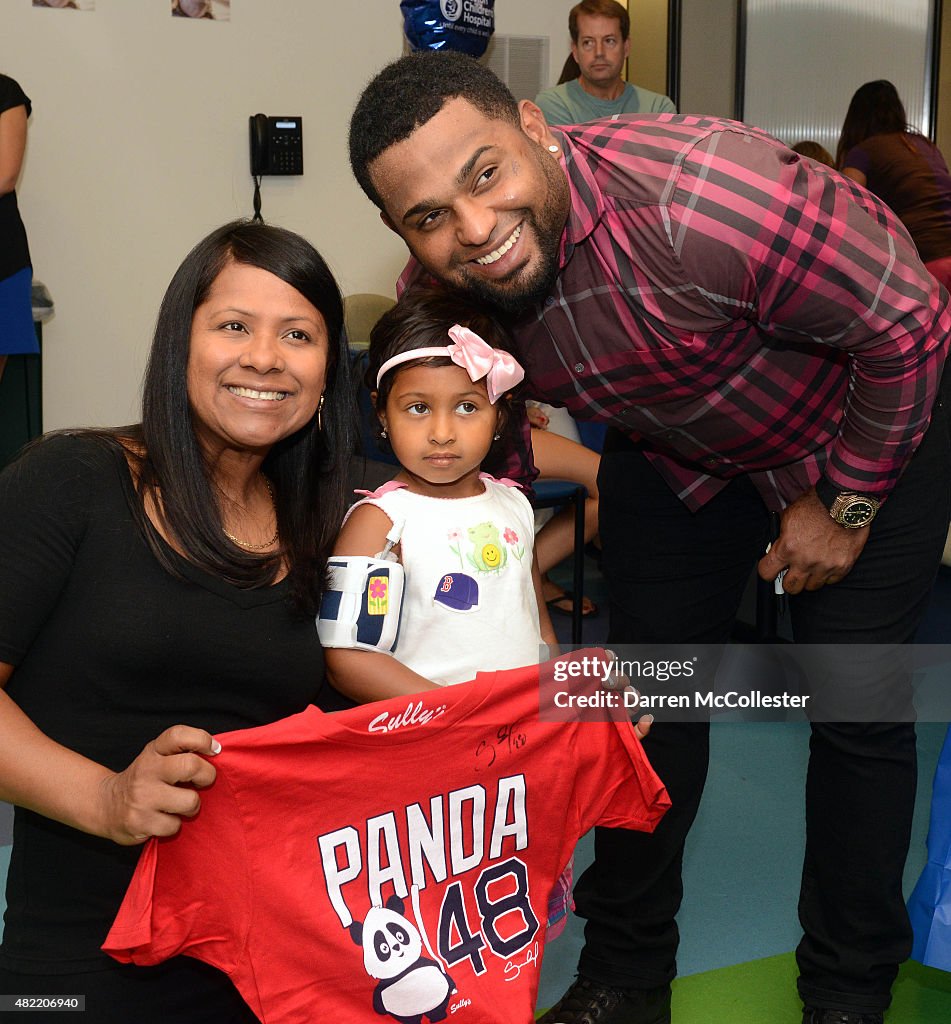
{"type": "Point", "coordinates": [360, 312]}
{"type": "Point", "coordinates": [592, 434]}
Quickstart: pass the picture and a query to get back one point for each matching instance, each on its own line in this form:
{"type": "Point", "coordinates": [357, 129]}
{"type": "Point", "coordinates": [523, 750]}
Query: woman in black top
{"type": "Point", "coordinates": [17, 335]}
{"type": "Point", "coordinates": [162, 574]}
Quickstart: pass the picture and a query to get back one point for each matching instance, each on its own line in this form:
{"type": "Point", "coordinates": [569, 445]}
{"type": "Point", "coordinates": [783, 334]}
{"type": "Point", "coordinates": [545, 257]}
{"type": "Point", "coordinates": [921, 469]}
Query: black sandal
{"type": "Point", "coordinates": [568, 595]}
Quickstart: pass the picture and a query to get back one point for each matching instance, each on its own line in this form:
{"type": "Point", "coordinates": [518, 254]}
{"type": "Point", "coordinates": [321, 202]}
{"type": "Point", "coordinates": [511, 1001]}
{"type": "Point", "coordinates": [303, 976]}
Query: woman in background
{"type": "Point", "coordinates": [878, 149]}
{"type": "Point", "coordinates": [158, 584]}
{"type": "Point", "coordinates": [17, 333]}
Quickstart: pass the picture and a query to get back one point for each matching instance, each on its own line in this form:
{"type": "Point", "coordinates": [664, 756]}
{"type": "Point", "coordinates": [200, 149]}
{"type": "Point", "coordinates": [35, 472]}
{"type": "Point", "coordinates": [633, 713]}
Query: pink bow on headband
{"type": "Point", "coordinates": [501, 370]}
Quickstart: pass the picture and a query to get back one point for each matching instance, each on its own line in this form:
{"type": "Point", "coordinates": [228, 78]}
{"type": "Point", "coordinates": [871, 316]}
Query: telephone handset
{"type": "Point", "coordinates": [276, 145]}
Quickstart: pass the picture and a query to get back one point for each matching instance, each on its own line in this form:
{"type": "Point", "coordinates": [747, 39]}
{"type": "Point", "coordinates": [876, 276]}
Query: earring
{"type": "Point", "coordinates": [498, 437]}
{"type": "Point", "coordinates": [383, 433]}
{"type": "Point", "coordinates": [320, 413]}
{"type": "Point", "coordinates": [552, 149]}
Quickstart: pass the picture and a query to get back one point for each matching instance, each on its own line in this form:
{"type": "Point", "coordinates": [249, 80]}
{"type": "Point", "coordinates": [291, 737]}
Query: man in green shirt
{"type": "Point", "coordinates": [600, 43]}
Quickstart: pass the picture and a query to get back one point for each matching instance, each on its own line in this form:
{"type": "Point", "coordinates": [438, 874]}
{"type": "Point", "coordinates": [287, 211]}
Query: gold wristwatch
{"type": "Point", "coordinates": [853, 511]}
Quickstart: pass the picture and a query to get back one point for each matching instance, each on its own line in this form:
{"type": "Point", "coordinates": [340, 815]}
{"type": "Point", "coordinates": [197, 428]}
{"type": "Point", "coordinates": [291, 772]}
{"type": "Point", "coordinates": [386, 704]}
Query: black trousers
{"type": "Point", "coordinates": [180, 991]}
{"type": "Point", "coordinates": [677, 576]}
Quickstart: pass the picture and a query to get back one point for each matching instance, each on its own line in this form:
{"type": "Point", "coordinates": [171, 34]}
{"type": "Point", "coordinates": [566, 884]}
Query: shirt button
{"type": "Point", "coordinates": [579, 367]}
{"type": "Point", "coordinates": [711, 460]}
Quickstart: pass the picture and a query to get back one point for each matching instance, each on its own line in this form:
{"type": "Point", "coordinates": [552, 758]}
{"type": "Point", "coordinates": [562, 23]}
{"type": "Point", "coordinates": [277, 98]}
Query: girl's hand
{"type": "Point", "coordinates": [157, 790]}
{"type": "Point", "coordinates": [536, 417]}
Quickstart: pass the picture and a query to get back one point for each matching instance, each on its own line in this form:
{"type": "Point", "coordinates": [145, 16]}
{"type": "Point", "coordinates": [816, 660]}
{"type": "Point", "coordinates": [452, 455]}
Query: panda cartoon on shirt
{"type": "Point", "coordinates": [411, 986]}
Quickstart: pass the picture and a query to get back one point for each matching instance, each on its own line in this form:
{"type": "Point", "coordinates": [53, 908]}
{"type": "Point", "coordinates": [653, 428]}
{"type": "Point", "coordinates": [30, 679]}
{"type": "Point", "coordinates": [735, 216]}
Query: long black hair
{"type": "Point", "coordinates": [875, 109]}
{"type": "Point", "coordinates": [307, 469]}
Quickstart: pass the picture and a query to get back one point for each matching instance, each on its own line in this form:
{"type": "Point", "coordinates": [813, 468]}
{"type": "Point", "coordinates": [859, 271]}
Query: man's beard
{"type": "Point", "coordinates": [526, 286]}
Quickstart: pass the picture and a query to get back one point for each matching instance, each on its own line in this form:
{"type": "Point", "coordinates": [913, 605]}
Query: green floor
{"type": "Point", "coordinates": [764, 992]}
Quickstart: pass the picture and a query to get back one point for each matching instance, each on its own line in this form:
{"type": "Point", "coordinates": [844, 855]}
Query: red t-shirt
{"type": "Point", "coordinates": [396, 858]}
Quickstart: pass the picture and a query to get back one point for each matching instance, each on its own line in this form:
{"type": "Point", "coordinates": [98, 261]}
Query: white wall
{"type": "Point", "coordinates": [138, 147]}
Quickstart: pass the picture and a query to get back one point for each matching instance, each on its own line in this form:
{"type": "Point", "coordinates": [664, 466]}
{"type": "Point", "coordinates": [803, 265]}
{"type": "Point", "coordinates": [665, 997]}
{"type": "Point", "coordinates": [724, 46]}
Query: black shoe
{"type": "Point", "coordinates": [811, 1015]}
{"type": "Point", "coordinates": [590, 1002]}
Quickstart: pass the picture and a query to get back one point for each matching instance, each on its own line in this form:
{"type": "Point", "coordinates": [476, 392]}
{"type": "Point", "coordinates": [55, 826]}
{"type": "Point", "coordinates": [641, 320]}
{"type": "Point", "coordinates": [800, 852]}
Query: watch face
{"type": "Point", "coordinates": [857, 512]}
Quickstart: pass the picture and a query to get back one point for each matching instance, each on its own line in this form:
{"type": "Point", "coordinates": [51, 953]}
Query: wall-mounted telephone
{"type": "Point", "coordinates": [276, 145]}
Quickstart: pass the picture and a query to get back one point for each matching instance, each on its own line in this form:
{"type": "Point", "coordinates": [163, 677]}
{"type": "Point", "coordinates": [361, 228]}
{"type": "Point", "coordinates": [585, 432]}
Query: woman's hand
{"type": "Point", "coordinates": [157, 790]}
{"type": "Point", "coordinates": [643, 726]}
{"type": "Point", "coordinates": [617, 682]}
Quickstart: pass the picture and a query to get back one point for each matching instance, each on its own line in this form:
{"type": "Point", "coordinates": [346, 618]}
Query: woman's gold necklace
{"type": "Point", "coordinates": [267, 544]}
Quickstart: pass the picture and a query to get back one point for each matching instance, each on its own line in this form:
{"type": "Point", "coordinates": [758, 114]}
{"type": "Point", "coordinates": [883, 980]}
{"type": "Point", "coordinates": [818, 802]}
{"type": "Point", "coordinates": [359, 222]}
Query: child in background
{"type": "Point", "coordinates": [815, 151]}
{"type": "Point", "coordinates": [440, 382]}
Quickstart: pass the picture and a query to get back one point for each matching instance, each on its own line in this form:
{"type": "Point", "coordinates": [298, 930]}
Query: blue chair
{"type": "Point", "coordinates": [558, 493]}
{"type": "Point", "coordinates": [555, 494]}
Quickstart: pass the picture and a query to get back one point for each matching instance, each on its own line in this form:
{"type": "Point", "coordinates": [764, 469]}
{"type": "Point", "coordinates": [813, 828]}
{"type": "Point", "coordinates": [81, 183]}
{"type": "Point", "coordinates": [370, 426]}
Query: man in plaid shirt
{"type": "Point", "coordinates": [762, 340]}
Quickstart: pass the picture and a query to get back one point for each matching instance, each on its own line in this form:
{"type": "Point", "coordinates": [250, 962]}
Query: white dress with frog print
{"type": "Point", "coordinates": [469, 603]}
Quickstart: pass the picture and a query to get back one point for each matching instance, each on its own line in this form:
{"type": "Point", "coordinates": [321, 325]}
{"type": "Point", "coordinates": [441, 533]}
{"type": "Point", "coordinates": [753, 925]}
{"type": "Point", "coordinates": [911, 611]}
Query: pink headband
{"type": "Point", "coordinates": [501, 370]}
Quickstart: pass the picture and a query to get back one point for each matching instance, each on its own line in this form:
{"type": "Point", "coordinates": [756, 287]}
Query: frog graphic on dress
{"type": "Point", "coordinates": [488, 553]}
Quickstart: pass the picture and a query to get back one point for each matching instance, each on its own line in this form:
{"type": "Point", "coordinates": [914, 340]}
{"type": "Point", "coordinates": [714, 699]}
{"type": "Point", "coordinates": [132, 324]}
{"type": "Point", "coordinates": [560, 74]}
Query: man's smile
{"type": "Point", "coordinates": [498, 253]}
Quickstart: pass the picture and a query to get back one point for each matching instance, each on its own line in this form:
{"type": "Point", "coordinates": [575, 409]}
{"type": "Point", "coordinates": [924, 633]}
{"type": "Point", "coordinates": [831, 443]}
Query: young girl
{"type": "Point", "coordinates": [472, 599]}
{"type": "Point", "coordinates": [472, 602]}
